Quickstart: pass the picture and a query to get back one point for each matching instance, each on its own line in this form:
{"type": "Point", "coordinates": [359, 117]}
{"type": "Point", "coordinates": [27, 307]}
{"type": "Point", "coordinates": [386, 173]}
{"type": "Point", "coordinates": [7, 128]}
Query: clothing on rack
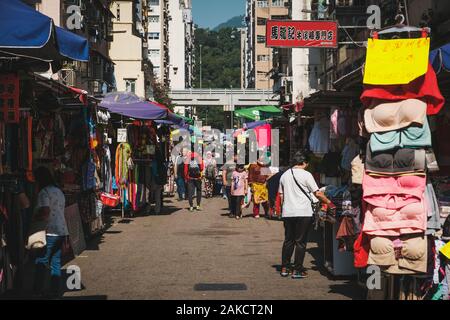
{"type": "Point", "coordinates": [396, 161]}
{"type": "Point", "coordinates": [425, 88]}
{"type": "Point", "coordinates": [389, 116]}
{"type": "Point", "coordinates": [319, 139]}
{"type": "Point", "coordinates": [404, 255]}
{"type": "Point", "coordinates": [410, 137]}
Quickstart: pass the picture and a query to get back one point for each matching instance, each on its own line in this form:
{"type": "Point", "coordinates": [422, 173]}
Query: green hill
{"type": "Point", "coordinates": [235, 22]}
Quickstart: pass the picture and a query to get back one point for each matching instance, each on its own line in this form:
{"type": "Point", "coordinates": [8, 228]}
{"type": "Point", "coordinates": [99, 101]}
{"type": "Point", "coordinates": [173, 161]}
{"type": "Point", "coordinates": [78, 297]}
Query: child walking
{"type": "Point", "coordinates": [238, 190]}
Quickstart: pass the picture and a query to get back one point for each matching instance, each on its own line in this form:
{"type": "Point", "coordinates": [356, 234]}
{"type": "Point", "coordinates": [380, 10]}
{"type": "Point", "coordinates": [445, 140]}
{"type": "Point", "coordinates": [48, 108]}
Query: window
{"type": "Point", "coordinates": [130, 85]}
{"type": "Point", "coordinates": [156, 71]}
{"type": "Point", "coordinates": [154, 2]}
{"type": "Point", "coordinates": [277, 3]}
{"type": "Point", "coordinates": [263, 57]}
{"type": "Point", "coordinates": [261, 39]}
{"type": "Point", "coordinates": [153, 52]}
{"type": "Point", "coordinates": [263, 4]}
{"type": "Point", "coordinates": [280, 17]}
{"type": "Point", "coordinates": [344, 3]}
{"type": "Point", "coordinates": [262, 21]}
{"type": "Point", "coordinates": [153, 35]}
{"type": "Point", "coordinates": [153, 19]}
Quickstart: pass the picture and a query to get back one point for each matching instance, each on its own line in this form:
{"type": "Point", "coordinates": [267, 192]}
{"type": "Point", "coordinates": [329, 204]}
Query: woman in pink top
{"type": "Point", "coordinates": [239, 187]}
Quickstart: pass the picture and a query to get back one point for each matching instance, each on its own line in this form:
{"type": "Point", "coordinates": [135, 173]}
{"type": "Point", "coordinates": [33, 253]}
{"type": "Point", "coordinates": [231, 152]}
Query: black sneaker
{"type": "Point", "coordinates": [299, 274]}
{"type": "Point", "coordinates": [284, 272]}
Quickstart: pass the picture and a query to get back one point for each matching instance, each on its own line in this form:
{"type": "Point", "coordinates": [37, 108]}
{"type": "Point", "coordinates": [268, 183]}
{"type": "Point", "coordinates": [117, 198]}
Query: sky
{"type": "Point", "coordinates": [210, 13]}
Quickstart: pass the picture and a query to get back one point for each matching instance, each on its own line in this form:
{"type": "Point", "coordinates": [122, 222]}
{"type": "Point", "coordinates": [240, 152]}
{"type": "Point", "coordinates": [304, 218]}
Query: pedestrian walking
{"type": "Point", "coordinates": [238, 190]}
{"type": "Point", "coordinates": [299, 194]}
{"type": "Point", "coordinates": [193, 172]}
{"type": "Point", "coordinates": [258, 173]}
{"type": "Point", "coordinates": [158, 180]}
{"type": "Point", "coordinates": [50, 208]}
{"type": "Point", "coordinates": [210, 174]}
{"type": "Point", "coordinates": [179, 174]}
{"type": "Point", "coordinates": [227, 177]}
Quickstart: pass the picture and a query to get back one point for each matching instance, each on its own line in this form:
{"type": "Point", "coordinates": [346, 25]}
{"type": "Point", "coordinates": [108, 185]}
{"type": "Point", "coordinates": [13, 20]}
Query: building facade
{"type": "Point", "coordinates": [129, 49]}
{"type": "Point", "coordinates": [92, 20]}
{"type": "Point", "coordinates": [259, 71]}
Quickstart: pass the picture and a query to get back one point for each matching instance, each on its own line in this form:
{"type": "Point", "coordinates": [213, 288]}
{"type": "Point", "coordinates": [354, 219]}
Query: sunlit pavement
{"type": "Point", "coordinates": [201, 255]}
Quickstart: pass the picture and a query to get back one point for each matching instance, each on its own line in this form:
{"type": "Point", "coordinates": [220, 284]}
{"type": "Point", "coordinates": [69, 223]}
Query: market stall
{"type": "Point", "coordinates": [141, 151]}
{"type": "Point", "coordinates": [404, 220]}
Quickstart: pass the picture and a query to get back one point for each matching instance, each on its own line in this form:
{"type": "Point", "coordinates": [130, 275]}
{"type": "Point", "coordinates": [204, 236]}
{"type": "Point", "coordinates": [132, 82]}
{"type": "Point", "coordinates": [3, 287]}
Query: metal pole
{"type": "Point", "coordinates": [232, 108]}
{"type": "Point", "coordinates": [201, 66]}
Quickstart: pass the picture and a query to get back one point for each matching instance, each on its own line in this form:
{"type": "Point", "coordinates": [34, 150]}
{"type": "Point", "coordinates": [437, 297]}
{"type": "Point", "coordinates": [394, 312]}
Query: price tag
{"type": "Point", "coordinates": [121, 135]}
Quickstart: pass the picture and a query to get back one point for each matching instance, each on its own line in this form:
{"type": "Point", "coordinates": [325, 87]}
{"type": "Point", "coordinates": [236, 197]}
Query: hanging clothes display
{"type": "Point", "coordinates": [401, 211]}
{"type": "Point", "coordinates": [319, 139]}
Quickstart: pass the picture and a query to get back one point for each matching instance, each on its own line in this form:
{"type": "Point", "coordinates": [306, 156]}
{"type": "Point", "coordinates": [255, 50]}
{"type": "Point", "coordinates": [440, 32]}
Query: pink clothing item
{"type": "Point", "coordinates": [238, 184]}
{"type": "Point", "coordinates": [334, 123]}
{"type": "Point", "coordinates": [264, 135]}
{"type": "Point", "coordinates": [393, 192]}
{"type": "Point", "coordinates": [412, 218]}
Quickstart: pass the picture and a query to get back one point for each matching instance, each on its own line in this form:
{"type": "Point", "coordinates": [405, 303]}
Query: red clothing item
{"type": "Point", "coordinates": [424, 88]}
{"type": "Point", "coordinates": [186, 165]}
{"type": "Point", "coordinates": [361, 249]}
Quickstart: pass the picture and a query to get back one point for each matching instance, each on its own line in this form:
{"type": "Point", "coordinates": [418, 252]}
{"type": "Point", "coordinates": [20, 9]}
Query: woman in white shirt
{"type": "Point", "coordinates": [50, 207]}
{"type": "Point", "coordinates": [297, 213]}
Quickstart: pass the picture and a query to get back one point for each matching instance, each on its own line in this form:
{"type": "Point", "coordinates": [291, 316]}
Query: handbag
{"type": "Point", "coordinates": [314, 205]}
{"type": "Point", "coordinates": [37, 239]}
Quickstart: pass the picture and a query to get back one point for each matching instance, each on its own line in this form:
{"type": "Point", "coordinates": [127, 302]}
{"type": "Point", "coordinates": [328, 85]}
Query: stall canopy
{"type": "Point", "coordinates": [26, 32]}
{"type": "Point", "coordinates": [440, 58]}
{"type": "Point", "coordinates": [254, 124]}
{"type": "Point", "coordinates": [258, 113]}
{"type": "Point", "coordinates": [130, 105]}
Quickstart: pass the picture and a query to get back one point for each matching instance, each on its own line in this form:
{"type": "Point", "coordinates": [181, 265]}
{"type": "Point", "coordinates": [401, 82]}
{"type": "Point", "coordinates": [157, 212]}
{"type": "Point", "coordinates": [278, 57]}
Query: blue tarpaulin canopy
{"type": "Point", "coordinates": [440, 58]}
{"type": "Point", "coordinates": [71, 45]}
{"type": "Point", "coordinates": [26, 32]}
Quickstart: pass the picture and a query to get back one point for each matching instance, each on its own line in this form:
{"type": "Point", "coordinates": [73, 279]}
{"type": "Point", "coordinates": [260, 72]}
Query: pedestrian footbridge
{"type": "Point", "coordinates": [224, 97]}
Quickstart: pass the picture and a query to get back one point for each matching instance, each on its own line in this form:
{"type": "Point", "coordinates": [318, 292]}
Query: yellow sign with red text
{"type": "Point", "coordinates": [397, 61]}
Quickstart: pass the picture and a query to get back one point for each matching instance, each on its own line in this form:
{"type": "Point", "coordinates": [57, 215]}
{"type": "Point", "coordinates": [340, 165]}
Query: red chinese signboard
{"type": "Point", "coordinates": [301, 34]}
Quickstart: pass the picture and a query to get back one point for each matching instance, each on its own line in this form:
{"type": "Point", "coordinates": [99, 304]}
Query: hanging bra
{"type": "Point", "coordinates": [409, 219]}
{"type": "Point", "coordinates": [410, 137]}
{"type": "Point", "coordinates": [413, 185]}
{"type": "Point", "coordinates": [394, 162]}
{"type": "Point", "coordinates": [413, 254]}
{"type": "Point", "coordinates": [388, 116]}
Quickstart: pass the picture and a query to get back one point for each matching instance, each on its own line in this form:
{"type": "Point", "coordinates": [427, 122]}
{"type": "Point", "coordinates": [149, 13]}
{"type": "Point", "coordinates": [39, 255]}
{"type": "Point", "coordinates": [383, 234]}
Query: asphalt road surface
{"type": "Point", "coordinates": [201, 255]}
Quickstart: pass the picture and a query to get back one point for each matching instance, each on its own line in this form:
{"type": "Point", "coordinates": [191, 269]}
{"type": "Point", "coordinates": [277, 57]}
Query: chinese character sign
{"type": "Point", "coordinates": [301, 34]}
{"type": "Point", "coordinates": [397, 61]}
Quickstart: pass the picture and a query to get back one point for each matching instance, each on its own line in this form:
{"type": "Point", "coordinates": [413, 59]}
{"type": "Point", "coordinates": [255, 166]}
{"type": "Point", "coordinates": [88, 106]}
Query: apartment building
{"type": "Point", "coordinates": [258, 12]}
{"type": "Point", "coordinates": [92, 20]}
{"type": "Point", "coordinates": [171, 41]}
{"type": "Point", "coordinates": [129, 49]}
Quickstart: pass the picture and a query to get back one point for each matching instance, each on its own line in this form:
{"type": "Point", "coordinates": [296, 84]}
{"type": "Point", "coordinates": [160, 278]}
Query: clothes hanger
{"type": "Point", "coordinates": [400, 27]}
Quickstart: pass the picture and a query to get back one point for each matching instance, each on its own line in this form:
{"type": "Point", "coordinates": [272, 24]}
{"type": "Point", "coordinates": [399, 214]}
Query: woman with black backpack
{"type": "Point", "coordinates": [193, 173]}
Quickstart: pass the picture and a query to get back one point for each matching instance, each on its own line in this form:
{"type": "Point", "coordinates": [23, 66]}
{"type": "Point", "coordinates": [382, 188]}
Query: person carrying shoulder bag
{"type": "Point", "coordinates": [300, 198]}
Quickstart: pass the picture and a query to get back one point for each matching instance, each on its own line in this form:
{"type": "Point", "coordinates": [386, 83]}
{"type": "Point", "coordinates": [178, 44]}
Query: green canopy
{"type": "Point", "coordinates": [186, 119]}
{"type": "Point", "coordinates": [258, 113]}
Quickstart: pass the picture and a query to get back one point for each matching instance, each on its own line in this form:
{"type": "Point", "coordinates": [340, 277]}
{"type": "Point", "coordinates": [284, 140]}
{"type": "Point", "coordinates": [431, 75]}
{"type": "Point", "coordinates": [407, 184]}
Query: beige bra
{"type": "Point", "coordinates": [414, 254]}
{"type": "Point", "coordinates": [389, 116]}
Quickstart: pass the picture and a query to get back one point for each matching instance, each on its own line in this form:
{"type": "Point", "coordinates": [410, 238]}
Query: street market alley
{"type": "Point", "coordinates": [201, 255]}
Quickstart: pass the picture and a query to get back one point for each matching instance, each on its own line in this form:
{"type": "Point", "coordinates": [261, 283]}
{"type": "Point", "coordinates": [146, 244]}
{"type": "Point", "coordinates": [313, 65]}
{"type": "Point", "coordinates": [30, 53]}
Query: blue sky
{"type": "Point", "coordinates": [210, 13]}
